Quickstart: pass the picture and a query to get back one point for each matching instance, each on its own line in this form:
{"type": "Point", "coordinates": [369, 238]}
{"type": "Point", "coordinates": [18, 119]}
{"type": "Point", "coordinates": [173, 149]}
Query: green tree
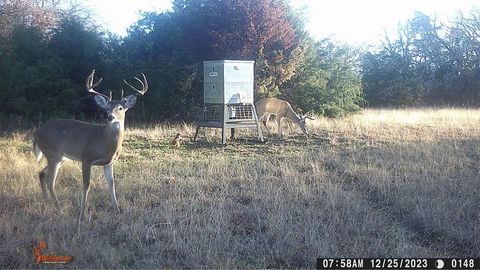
{"type": "Point", "coordinates": [42, 77]}
{"type": "Point", "coordinates": [328, 81]}
{"type": "Point", "coordinates": [428, 63]}
{"type": "Point", "coordinates": [155, 46]}
{"type": "Point", "coordinates": [171, 47]}
{"type": "Point", "coordinates": [31, 85]}
{"type": "Point", "coordinates": [260, 30]}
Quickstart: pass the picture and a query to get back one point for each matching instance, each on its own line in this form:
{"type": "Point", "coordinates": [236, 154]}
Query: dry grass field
{"type": "Point", "coordinates": [383, 183]}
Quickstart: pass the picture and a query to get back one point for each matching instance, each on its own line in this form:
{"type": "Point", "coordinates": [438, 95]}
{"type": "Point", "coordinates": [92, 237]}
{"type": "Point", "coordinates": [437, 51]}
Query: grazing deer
{"type": "Point", "coordinates": [91, 144]}
{"type": "Point", "coordinates": [281, 109]}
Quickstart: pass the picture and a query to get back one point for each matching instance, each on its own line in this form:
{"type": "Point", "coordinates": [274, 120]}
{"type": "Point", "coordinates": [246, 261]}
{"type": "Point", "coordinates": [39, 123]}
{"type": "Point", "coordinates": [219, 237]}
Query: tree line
{"type": "Point", "coordinates": [427, 63]}
{"type": "Point", "coordinates": [48, 48]}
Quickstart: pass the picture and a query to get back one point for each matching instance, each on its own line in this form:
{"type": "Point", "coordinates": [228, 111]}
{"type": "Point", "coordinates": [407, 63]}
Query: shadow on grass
{"type": "Point", "coordinates": [424, 187]}
{"type": "Point", "coordinates": [391, 197]}
{"type": "Point", "coordinates": [255, 146]}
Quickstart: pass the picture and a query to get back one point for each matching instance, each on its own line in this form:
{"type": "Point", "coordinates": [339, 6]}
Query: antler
{"type": "Point", "coordinates": [90, 85]}
{"type": "Point", "coordinates": [144, 85]}
{"type": "Point", "coordinates": [309, 115]}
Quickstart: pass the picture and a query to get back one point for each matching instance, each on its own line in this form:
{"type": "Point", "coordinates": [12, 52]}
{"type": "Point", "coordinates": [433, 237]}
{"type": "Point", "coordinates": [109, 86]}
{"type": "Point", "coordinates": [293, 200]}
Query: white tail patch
{"type": "Point", "coordinates": [38, 153]}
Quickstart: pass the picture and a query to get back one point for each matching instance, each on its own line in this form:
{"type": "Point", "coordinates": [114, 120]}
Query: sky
{"type": "Point", "coordinates": [357, 22]}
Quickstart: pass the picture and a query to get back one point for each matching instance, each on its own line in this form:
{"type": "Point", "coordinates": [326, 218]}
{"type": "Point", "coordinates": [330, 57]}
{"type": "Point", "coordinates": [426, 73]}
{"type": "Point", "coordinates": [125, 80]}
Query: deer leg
{"type": "Point", "coordinates": [108, 172]}
{"type": "Point", "coordinates": [265, 121]}
{"type": "Point", "coordinates": [43, 184]}
{"type": "Point", "coordinates": [51, 176]}
{"type": "Point", "coordinates": [279, 123]}
{"type": "Point", "coordinates": [86, 171]}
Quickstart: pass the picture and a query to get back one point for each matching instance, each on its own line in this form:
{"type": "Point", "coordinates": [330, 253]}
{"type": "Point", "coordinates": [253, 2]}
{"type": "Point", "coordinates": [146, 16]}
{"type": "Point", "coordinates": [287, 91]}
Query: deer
{"type": "Point", "coordinates": [91, 144]}
{"type": "Point", "coordinates": [266, 107]}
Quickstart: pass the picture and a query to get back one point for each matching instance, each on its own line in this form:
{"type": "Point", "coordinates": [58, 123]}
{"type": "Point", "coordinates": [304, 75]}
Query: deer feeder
{"type": "Point", "coordinates": [228, 97]}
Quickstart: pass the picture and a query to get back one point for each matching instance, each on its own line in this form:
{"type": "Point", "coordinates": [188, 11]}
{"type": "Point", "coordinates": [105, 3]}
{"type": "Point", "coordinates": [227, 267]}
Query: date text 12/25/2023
{"type": "Point", "coordinates": [398, 263]}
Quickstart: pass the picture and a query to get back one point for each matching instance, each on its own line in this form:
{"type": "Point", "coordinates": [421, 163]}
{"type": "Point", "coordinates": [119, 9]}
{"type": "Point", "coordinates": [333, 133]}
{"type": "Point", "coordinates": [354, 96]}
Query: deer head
{"type": "Point", "coordinates": [115, 109]}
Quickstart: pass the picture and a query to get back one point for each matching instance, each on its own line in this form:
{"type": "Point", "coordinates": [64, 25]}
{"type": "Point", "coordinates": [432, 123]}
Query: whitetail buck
{"type": "Point", "coordinates": [91, 144]}
{"type": "Point", "coordinates": [281, 109]}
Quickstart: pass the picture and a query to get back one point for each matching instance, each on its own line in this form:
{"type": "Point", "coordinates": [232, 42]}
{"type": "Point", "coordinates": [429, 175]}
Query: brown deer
{"type": "Point", "coordinates": [281, 109]}
{"type": "Point", "coordinates": [91, 144]}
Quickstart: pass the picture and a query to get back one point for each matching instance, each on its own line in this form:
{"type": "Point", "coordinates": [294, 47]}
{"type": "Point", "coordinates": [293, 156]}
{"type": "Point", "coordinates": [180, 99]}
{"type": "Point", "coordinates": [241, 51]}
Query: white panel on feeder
{"type": "Point", "coordinates": [228, 81]}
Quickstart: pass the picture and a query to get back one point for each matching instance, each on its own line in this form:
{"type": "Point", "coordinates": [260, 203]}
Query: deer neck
{"type": "Point", "coordinates": [113, 135]}
{"type": "Point", "coordinates": [293, 116]}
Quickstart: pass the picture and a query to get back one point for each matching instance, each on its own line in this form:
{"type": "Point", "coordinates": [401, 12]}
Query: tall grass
{"type": "Point", "coordinates": [400, 183]}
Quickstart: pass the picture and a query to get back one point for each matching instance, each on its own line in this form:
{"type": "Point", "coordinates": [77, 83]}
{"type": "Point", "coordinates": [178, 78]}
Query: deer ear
{"type": "Point", "coordinates": [129, 101]}
{"type": "Point", "coordinates": [101, 102]}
